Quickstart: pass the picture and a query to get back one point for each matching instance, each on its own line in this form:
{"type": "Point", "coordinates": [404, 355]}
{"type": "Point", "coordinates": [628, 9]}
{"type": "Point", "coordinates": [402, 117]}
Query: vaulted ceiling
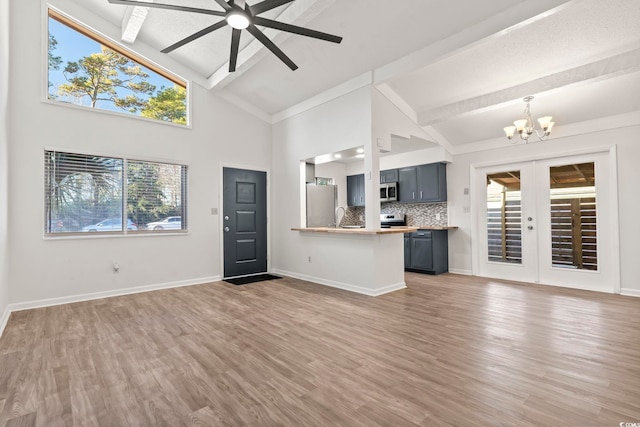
{"type": "Point", "coordinates": [459, 69]}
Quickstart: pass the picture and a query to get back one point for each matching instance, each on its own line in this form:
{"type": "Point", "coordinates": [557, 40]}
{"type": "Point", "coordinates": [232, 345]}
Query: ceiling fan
{"type": "Point", "coordinates": [239, 16]}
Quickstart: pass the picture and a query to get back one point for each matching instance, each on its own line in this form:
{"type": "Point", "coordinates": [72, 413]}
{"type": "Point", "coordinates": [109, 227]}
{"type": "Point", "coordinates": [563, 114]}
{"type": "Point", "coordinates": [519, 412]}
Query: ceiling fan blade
{"type": "Point", "coordinates": [272, 47]}
{"type": "Point", "coordinates": [235, 44]}
{"type": "Point", "coordinates": [168, 6]}
{"type": "Point", "coordinates": [295, 29]}
{"type": "Point", "coordinates": [265, 5]}
{"type": "Point", "coordinates": [195, 36]}
{"type": "Point", "coordinates": [223, 4]}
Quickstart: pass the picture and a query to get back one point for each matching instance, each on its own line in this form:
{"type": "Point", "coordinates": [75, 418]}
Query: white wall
{"type": "Point", "coordinates": [4, 164]}
{"type": "Point", "coordinates": [342, 123]}
{"type": "Point", "coordinates": [628, 154]}
{"type": "Point", "coordinates": [58, 268]}
{"type": "Point", "coordinates": [389, 120]}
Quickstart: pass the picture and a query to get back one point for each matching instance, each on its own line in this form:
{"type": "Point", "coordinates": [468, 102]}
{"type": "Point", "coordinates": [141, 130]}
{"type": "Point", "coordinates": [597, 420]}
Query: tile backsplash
{"type": "Point", "coordinates": [417, 214]}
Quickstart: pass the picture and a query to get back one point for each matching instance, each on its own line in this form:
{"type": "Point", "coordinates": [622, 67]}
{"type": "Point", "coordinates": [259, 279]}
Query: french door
{"type": "Point", "coordinates": [548, 221]}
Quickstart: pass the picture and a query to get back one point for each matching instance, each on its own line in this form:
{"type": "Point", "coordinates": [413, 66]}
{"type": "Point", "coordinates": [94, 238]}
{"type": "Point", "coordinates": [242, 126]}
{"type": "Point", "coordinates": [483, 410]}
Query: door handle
{"type": "Point", "coordinates": [530, 227]}
{"type": "Point", "coordinates": [226, 229]}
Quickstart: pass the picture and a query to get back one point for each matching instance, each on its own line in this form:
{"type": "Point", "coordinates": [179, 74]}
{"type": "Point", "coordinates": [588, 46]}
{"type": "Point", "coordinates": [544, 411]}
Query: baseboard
{"type": "Point", "coordinates": [4, 319]}
{"type": "Point", "coordinates": [107, 294]}
{"type": "Point", "coordinates": [463, 272]}
{"type": "Point", "coordinates": [630, 292]}
{"type": "Point", "coordinates": [343, 286]}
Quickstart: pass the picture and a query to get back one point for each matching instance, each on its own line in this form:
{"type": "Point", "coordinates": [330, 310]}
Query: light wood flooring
{"type": "Point", "coordinates": [450, 350]}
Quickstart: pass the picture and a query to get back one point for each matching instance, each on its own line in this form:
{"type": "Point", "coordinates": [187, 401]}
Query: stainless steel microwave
{"type": "Point", "coordinates": [389, 192]}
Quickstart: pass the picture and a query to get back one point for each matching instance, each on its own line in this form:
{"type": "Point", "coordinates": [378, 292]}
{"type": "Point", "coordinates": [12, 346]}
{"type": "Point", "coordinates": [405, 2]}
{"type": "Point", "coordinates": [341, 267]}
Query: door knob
{"type": "Point", "coordinates": [226, 217]}
{"type": "Point", "coordinates": [226, 229]}
{"type": "Point", "coordinates": [530, 227]}
{"type": "Point", "coordinates": [529, 219]}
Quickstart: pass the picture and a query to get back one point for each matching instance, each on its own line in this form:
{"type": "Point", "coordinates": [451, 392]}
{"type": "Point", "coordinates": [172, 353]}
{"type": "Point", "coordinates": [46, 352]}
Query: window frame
{"type": "Point", "coordinates": [125, 232]}
{"type": "Point", "coordinates": [52, 12]}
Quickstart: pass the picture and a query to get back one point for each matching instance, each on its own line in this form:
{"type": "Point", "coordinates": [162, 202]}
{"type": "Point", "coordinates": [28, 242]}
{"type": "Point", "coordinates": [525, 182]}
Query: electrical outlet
{"type": "Point", "coordinates": [467, 209]}
{"type": "Point", "coordinates": [466, 191]}
{"type": "Point", "coordinates": [438, 216]}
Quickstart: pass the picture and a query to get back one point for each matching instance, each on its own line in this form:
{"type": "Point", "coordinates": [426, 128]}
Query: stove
{"type": "Point", "coordinates": [389, 220]}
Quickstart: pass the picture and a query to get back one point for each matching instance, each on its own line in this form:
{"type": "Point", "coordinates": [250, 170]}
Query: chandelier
{"type": "Point", "coordinates": [525, 126]}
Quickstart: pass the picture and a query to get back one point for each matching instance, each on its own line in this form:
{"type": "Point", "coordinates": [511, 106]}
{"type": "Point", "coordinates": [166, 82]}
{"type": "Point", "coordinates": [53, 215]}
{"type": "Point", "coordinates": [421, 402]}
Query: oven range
{"type": "Point", "coordinates": [389, 220]}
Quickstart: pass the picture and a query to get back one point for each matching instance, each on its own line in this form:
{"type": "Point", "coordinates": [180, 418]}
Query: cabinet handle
{"type": "Point", "coordinates": [413, 194]}
{"type": "Point", "coordinates": [421, 194]}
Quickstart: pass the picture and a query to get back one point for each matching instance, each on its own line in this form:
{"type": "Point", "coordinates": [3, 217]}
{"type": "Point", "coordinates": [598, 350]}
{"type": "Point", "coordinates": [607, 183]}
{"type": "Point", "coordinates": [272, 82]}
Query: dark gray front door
{"type": "Point", "coordinates": [245, 222]}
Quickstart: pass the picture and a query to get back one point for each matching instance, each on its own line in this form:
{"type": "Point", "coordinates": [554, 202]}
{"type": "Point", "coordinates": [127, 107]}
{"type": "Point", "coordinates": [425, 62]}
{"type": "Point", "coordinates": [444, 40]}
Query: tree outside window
{"type": "Point", "coordinates": [86, 70]}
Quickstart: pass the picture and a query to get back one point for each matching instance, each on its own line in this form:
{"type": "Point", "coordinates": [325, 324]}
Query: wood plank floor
{"type": "Point", "coordinates": [449, 350]}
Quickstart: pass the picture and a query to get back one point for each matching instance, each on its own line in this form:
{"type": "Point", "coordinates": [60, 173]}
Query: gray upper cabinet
{"type": "Point", "coordinates": [423, 183]}
{"type": "Point", "coordinates": [388, 176]}
{"type": "Point", "coordinates": [355, 190]}
{"type": "Point", "coordinates": [407, 184]}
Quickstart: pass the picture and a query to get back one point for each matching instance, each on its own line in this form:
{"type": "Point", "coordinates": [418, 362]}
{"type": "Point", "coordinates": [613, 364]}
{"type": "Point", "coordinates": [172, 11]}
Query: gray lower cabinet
{"type": "Point", "coordinates": [427, 251]}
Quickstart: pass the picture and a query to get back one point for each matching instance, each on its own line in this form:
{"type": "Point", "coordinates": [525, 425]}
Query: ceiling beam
{"type": "Point", "coordinates": [132, 22]}
{"type": "Point", "coordinates": [614, 66]}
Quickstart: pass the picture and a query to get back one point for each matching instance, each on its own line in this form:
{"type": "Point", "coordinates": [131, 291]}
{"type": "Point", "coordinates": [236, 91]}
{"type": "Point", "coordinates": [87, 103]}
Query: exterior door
{"type": "Point", "coordinates": [507, 225]}
{"type": "Point", "coordinates": [548, 221]}
{"type": "Point", "coordinates": [244, 222]}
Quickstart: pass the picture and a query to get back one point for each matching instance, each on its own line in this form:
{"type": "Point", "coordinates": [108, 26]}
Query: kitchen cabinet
{"type": "Point", "coordinates": [427, 251]}
{"type": "Point", "coordinates": [355, 190]}
{"type": "Point", "coordinates": [423, 183]}
{"type": "Point", "coordinates": [388, 176]}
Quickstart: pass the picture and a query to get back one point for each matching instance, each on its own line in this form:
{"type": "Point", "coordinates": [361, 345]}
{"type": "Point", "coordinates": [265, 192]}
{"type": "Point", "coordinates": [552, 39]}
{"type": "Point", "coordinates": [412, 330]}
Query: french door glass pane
{"type": "Point", "coordinates": [573, 216]}
{"type": "Point", "coordinates": [504, 217]}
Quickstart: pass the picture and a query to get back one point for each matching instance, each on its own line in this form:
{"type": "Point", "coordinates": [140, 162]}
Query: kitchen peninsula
{"type": "Point", "coordinates": [366, 261]}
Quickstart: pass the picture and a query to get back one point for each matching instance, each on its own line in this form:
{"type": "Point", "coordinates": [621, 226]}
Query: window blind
{"type": "Point", "coordinates": [89, 193]}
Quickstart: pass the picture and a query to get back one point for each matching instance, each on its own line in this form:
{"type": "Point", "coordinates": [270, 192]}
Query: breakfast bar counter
{"type": "Point", "coordinates": [366, 261]}
{"type": "Point", "coordinates": [357, 230]}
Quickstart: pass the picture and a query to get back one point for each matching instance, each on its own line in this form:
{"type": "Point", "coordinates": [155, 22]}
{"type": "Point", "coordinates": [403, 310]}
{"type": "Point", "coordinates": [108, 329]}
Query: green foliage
{"type": "Point", "coordinates": [82, 196]}
{"type": "Point", "coordinates": [54, 61]}
{"type": "Point", "coordinates": [169, 104]}
{"type": "Point", "coordinates": [100, 75]}
{"type": "Point", "coordinates": [145, 197]}
{"type": "Point", "coordinates": [84, 189]}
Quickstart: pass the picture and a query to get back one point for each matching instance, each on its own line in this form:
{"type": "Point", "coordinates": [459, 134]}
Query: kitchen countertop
{"type": "Point", "coordinates": [436, 227]}
{"type": "Point", "coordinates": [337, 230]}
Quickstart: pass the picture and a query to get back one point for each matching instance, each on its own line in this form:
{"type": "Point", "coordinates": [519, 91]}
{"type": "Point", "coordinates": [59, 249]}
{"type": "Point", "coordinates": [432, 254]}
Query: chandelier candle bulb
{"type": "Point", "coordinates": [544, 121]}
{"type": "Point", "coordinates": [510, 130]}
{"type": "Point", "coordinates": [520, 125]}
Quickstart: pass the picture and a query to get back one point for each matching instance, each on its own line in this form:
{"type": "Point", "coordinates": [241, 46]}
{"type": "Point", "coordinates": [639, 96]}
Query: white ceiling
{"type": "Point", "coordinates": [459, 68]}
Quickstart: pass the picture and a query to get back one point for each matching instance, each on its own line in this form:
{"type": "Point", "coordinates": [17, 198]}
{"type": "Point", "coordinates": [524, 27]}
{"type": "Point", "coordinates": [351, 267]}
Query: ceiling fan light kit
{"type": "Point", "coordinates": [237, 19]}
{"type": "Point", "coordinates": [239, 16]}
{"type": "Point", "coordinates": [525, 126]}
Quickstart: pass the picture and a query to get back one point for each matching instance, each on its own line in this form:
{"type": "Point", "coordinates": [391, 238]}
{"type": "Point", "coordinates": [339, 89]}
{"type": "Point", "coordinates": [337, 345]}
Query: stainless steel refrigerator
{"type": "Point", "coordinates": [321, 205]}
